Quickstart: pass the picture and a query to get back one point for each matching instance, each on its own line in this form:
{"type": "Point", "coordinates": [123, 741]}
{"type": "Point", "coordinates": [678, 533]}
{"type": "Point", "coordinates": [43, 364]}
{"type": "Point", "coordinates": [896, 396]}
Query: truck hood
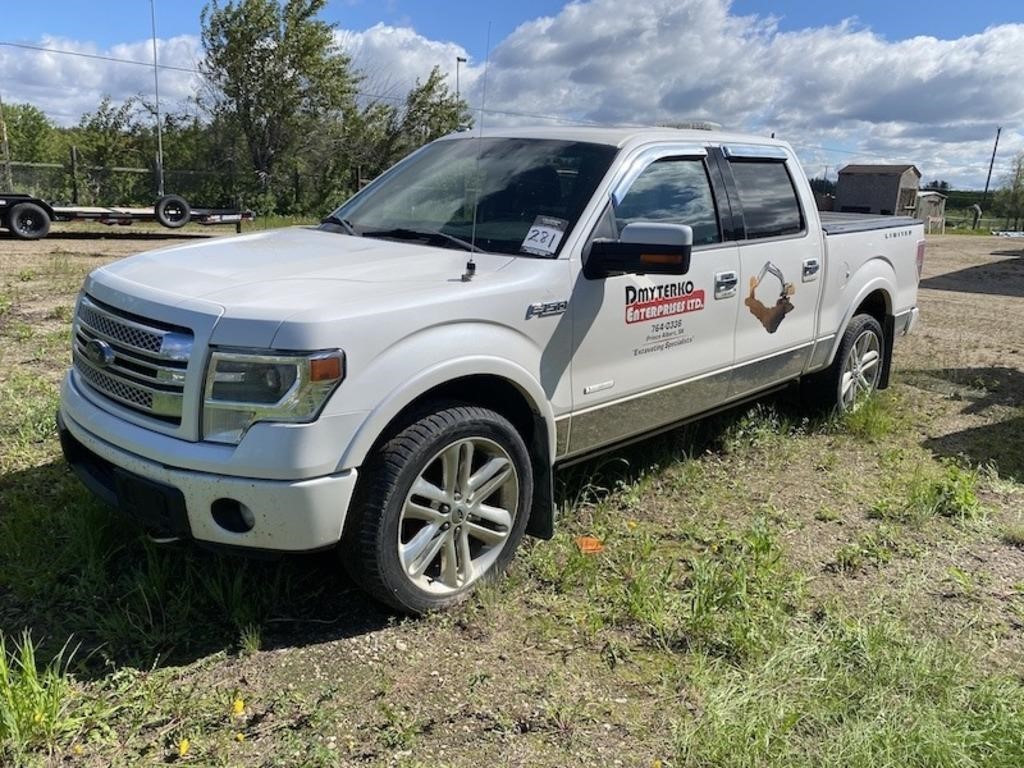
{"type": "Point", "coordinates": [248, 288]}
{"type": "Point", "coordinates": [280, 269]}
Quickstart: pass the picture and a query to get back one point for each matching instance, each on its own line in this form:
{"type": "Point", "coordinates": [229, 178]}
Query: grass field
{"type": "Point", "coordinates": [773, 589]}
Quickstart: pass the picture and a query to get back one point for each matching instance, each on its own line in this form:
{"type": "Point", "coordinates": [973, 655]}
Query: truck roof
{"type": "Point", "coordinates": [619, 136]}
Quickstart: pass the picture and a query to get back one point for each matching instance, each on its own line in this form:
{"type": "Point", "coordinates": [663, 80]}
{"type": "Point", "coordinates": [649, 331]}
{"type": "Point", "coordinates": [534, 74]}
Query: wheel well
{"type": "Point", "coordinates": [875, 304]}
{"type": "Point", "coordinates": [487, 391]}
{"type": "Point", "coordinates": [504, 397]}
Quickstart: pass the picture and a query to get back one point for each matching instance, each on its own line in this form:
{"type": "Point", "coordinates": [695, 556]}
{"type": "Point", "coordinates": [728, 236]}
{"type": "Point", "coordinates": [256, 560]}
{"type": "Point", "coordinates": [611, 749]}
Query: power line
{"type": "Point", "coordinates": [96, 56]}
{"type": "Point", "coordinates": [194, 71]}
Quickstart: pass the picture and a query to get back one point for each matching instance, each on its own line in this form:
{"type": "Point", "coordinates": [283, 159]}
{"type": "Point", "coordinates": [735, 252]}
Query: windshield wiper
{"type": "Point", "coordinates": [343, 223]}
{"type": "Point", "coordinates": [430, 235]}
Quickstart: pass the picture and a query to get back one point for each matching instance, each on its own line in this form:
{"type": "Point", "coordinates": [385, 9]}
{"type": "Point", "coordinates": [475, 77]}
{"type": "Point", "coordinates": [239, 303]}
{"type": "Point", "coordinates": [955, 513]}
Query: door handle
{"type": "Point", "coordinates": [810, 272]}
{"type": "Point", "coordinates": [725, 284]}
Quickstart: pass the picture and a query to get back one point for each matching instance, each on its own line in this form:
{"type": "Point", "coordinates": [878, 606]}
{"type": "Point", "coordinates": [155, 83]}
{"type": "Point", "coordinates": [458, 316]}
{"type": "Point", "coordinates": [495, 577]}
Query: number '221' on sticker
{"type": "Point", "coordinates": [544, 236]}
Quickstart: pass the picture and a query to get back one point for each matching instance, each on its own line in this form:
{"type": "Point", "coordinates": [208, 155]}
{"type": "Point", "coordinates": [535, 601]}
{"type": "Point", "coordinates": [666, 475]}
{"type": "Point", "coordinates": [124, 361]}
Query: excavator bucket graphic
{"type": "Point", "coordinates": [770, 317]}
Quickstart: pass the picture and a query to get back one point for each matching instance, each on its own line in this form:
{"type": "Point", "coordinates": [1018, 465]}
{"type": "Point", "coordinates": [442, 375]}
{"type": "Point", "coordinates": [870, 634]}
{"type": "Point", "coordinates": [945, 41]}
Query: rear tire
{"type": "Point", "coordinates": [172, 211]}
{"type": "Point", "coordinates": [856, 370]}
{"type": "Point", "coordinates": [28, 221]}
{"type": "Point", "coordinates": [441, 507]}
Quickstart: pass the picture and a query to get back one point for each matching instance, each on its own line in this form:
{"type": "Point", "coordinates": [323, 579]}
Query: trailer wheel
{"type": "Point", "coordinates": [28, 221]}
{"type": "Point", "coordinates": [172, 211]}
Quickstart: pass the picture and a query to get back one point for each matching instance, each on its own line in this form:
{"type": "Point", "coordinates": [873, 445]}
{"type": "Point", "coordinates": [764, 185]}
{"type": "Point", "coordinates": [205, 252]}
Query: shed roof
{"type": "Point", "coordinates": [881, 170]}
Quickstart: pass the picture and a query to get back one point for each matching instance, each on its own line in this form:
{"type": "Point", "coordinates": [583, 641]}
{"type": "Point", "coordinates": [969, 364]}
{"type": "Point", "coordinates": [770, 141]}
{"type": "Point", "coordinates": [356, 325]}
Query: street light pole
{"type": "Point", "coordinates": [159, 125]}
{"type": "Point", "coordinates": [458, 60]}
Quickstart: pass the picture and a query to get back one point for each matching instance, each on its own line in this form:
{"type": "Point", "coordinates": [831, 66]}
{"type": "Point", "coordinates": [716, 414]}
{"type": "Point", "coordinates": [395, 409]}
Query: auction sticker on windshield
{"type": "Point", "coordinates": [544, 236]}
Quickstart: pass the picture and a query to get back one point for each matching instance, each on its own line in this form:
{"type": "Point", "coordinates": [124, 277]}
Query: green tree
{"type": "Point", "coordinates": [276, 73]}
{"type": "Point", "coordinates": [431, 111]}
{"type": "Point", "coordinates": [30, 134]}
{"type": "Point", "coordinates": [1009, 200]}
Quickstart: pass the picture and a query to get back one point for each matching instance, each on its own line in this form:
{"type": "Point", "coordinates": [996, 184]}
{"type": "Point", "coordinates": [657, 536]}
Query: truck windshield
{"type": "Point", "coordinates": [528, 194]}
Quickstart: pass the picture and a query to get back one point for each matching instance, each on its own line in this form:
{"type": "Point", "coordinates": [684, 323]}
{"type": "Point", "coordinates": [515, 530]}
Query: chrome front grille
{"type": "Point", "coordinates": [138, 363]}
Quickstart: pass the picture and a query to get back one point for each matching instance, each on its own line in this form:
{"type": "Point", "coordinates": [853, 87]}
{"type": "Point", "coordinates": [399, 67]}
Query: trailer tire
{"type": "Point", "coordinates": [172, 211]}
{"type": "Point", "coordinates": [28, 221]}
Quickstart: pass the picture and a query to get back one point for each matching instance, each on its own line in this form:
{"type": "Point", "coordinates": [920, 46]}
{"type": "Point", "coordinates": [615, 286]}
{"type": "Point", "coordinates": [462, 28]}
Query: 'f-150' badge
{"type": "Point", "coordinates": [546, 308]}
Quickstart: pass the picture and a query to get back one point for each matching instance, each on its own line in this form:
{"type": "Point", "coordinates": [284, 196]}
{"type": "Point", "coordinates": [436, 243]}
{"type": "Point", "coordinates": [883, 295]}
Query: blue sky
{"type": "Point", "coordinates": [875, 89]}
{"type": "Point", "coordinates": [107, 22]}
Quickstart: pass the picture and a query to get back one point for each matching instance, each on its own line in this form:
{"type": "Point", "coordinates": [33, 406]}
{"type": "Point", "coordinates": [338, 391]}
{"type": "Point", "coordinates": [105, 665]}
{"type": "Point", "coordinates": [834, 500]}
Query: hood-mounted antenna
{"type": "Point", "coordinates": [471, 265]}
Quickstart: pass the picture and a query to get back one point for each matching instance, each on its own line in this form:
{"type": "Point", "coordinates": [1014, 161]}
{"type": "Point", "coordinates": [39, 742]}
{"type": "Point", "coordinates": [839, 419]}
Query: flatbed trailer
{"type": "Point", "coordinates": [29, 218]}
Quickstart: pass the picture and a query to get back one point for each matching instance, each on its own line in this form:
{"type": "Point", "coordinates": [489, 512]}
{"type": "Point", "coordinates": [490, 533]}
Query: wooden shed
{"type": "Point", "coordinates": [931, 209]}
{"type": "Point", "coordinates": [881, 189]}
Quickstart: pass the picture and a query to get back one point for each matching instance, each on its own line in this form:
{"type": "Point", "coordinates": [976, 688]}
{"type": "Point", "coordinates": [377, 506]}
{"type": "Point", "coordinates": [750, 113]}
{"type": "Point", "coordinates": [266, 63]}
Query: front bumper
{"type": "Point", "coordinates": [173, 503]}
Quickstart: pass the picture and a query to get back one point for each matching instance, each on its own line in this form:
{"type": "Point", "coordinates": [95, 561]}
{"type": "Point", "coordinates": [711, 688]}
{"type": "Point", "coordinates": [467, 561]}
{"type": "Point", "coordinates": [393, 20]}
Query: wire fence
{"type": "Point", "coordinates": [75, 183]}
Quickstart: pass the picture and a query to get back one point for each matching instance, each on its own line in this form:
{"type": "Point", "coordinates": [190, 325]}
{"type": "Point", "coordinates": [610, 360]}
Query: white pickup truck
{"type": "Point", "coordinates": [404, 378]}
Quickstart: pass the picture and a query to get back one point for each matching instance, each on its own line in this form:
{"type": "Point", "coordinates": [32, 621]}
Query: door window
{"type": "Point", "coordinates": [672, 191]}
{"type": "Point", "coordinates": [770, 205]}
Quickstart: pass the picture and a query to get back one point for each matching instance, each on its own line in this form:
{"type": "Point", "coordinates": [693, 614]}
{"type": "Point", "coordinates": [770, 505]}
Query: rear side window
{"type": "Point", "coordinates": [672, 191]}
{"type": "Point", "coordinates": [770, 206]}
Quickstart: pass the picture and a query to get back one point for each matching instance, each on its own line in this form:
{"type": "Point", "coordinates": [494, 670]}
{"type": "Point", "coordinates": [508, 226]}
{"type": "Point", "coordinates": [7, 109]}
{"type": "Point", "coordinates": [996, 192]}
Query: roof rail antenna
{"type": "Point", "coordinates": [471, 265]}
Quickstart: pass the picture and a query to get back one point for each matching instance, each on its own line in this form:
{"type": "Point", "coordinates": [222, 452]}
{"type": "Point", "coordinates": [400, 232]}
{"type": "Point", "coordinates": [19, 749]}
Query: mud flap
{"type": "Point", "coordinates": [888, 334]}
{"type": "Point", "coordinates": [541, 524]}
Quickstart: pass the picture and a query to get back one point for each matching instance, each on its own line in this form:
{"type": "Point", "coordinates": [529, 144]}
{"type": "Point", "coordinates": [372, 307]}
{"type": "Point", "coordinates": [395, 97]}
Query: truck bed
{"type": "Point", "coordinates": [844, 223]}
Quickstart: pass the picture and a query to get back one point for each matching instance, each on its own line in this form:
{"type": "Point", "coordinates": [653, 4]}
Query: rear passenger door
{"type": "Point", "coordinates": [780, 267]}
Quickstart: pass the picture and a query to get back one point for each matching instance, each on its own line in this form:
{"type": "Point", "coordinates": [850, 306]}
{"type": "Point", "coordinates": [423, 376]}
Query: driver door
{"type": "Point", "coordinates": [650, 350]}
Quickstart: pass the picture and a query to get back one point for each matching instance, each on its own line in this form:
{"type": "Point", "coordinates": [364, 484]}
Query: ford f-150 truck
{"type": "Point", "coordinates": [403, 379]}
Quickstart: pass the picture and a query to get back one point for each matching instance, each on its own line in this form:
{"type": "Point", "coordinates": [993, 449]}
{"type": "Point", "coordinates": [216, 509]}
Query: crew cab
{"type": "Point", "coordinates": [402, 380]}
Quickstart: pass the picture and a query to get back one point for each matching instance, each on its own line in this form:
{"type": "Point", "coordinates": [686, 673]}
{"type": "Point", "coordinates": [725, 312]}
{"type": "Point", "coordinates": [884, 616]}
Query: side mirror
{"type": "Point", "coordinates": [642, 249]}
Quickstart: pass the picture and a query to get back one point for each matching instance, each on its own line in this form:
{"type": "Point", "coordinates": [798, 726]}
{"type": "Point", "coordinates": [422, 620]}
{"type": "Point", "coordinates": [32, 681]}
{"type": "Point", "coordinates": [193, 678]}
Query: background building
{"type": "Point", "coordinates": [883, 189]}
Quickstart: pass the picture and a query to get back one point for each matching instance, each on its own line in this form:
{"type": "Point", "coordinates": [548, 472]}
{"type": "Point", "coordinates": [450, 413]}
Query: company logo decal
{"type": "Point", "coordinates": [99, 353]}
{"type": "Point", "coordinates": [644, 304]}
{"type": "Point", "coordinates": [770, 316]}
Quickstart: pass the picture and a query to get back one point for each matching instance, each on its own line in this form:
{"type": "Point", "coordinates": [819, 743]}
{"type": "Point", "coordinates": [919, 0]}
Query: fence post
{"type": "Point", "coordinates": [74, 175]}
{"type": "Point", "coordinates": [9, 178]}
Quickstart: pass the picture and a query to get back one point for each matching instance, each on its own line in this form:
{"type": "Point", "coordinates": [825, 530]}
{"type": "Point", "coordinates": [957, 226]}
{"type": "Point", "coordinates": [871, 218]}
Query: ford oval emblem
{"type": "Point", "coordinates": [99, 353]}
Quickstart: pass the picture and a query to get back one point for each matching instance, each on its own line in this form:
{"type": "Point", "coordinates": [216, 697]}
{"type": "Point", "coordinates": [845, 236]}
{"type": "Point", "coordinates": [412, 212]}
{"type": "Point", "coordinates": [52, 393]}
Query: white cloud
{"type": "Point", "coordinates": [65, 86]}
{"type": "Point", "coordinates": [932, 102]}
{"type": "Point", "coordinates": [393, 58]}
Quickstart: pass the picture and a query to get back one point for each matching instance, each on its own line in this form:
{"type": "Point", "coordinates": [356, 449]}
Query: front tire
{"type": "Point", "coordinates": [442, 507]}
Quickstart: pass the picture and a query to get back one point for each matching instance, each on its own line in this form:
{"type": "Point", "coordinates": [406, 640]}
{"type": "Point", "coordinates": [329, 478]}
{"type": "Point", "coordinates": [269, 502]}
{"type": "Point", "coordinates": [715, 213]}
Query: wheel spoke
{"type": "Point", "coordinates": [466, 451]}
{"type": "Point", "coordinates": [414, 511]}
{"type": "Point", "coordinates": [449, 564]}
{"type": "Point", "coordinates": [848, 385]}
{"type": "Point", "coordinates": [450, 469]}
{"type": "Point", "coordinates": [489, 478]}
{"type": "Point", "coordinates": [465, 557]}
{"type": "Point", "coordinates": [488, 536]}
{"type": "Point", "coordinates": [870, 359]}
{"type": "Point", "coordinates": [494, 515]}
{"type": "Point", "coordinates": [428, 490]}
{"type": "Point", "coordinates": [422, 549]}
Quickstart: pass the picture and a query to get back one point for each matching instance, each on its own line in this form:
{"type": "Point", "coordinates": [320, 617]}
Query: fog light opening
{"type": "Point", "coordinates": [232, 515]}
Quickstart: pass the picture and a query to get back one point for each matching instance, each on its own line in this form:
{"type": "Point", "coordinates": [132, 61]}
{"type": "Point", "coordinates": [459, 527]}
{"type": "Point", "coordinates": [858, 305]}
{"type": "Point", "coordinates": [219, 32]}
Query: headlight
{"type": "Point", "coordinates": [243, 388]}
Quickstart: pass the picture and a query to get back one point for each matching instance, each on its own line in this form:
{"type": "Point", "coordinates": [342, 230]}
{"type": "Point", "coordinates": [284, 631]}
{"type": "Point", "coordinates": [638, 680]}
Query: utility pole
{"type": "Point", "coordinates": [159, 125]}
{"type": "Point", "coordinates": [8, 178]}
{"type": "Point", "coordinates": [458, 60]}
{"type": "Point", "coordinates": [984, 195]}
